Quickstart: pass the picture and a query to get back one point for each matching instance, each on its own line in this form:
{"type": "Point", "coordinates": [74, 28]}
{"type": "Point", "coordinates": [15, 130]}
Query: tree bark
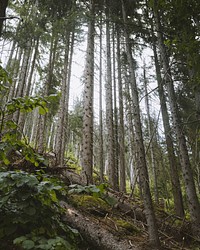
{"type": "Point", "coordinates": [193, 202]}
{"type": "Point", "coordinates": [176, 188]}
{"type": "Point", "coordinates": [115, 115]}
{"type": "Point", "coordinates": [122, 168]}
{"type": "Point", "coordinates": [87, 140]}
{"type": "Point", "coordinates": [151, 139]}
{"type": "Point", "coordinates": [101, 153]}
{"type": "Point", "coordinates": [60, 133]}
{"type": "Point", "coordinates": [43, 118]}
{"type": "Point", "coordinates": [94, 232]}
{"type": "Point", "coordinates": [142, 166]}
{"type": "Point", "coordinates": [109, 107]}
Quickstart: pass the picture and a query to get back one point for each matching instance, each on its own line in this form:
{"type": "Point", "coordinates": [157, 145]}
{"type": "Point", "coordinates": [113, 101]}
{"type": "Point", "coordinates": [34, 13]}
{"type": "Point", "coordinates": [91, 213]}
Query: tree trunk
{"type": "Point", "coordinates": [109, 107]}
{"type": "Point", "coordinates": [101, 153]}
{"type": "Point", "coordinates": [21, 85]}
{"type": "Point", "coordinates": [151, 139]}
{"type": "Point", "coordinates": [43, 118]}
{"type": "Point", "coordinates": [3, 6]}
{"type": "Point", "coordinates": [142, 166]}
{"type": "Point", "coordinates": [121, 120]}
{"type": "Point", "coordinates": [28, 87]}
{"type": "Point", "coordinates": [115, 120]}
{"type": "Point", "coordinates": [87, 140]}
{"type": "Point", "coordinates": [60, 133]}
{"type": "Point", "coordinates": [176, 188]}
{"type": "Point", "coordinates": [193, 202]}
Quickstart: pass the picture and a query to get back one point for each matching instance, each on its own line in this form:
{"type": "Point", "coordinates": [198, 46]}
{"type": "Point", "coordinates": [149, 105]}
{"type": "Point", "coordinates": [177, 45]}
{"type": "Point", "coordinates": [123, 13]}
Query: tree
{"type": "Point", "coordinates": [87, 140]}
{"type": "Point", "coordinates": [151, 134]}
{"type": "Point", "coordinates": [142, 166]}
{"type": "Point", "coordinates": [193, 203]}
{"type": "Point", "coordinates": [121, 118]}
{"type": "Point", "coordinates": [176, 187]}
{"type": "Point", "coordinates": [101, 153]}
{"type": "Point", "coordinates": [109, 107]}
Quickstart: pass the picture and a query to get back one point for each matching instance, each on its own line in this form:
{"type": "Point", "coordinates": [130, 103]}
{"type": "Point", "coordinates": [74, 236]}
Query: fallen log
{"type": "Point", "coordinates": [125, 207]}
{"type": "Point", "coordinates": [99, 237]}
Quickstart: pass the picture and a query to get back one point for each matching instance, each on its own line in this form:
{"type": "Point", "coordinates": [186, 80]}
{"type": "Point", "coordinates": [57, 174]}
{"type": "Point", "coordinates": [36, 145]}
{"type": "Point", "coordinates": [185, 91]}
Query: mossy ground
{"type": "Point", "coordinates": [112, 219]}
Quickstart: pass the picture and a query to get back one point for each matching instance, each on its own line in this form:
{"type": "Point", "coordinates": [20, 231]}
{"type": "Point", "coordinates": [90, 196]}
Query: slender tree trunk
{"type": "Point", "coordinates": [23, 79]}
{"type": "Point", "coordinates": [101, 158]}
{"type": "Point", "coordinates": [176, 188]}
{"type": "Point", "coordinates": [151, 139]}
{"type": "Point", "coordinates": [60, 134]}
{"type": "Point", "coordinates": [87, 140]}
{"type": "Point", "coordinates": [14, 67]}
{"type": "Point", "coordinates": [193, 202]}
{"type": "Point", "coordinates": [115, 123]}
{"type": "Point", "coordinates": [109, 107]}
{"type": "Point", "coordinates": [10, 58]}
{"type": "Point", "coordinates": [143, 172]}
{"type": "Point", "coordinates": [66, 120]}
{"type": "Point", "coordinates": [43, 118]}
{"type": "Point", "coordinates": [28, 87]}
{"type": "Point", "coordinates": [121, 120]}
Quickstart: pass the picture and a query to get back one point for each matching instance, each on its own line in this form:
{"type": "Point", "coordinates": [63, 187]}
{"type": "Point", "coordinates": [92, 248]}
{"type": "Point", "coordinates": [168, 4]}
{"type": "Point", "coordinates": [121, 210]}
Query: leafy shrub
{"type": "Point", "coordinates": [96, 191]}
{"type": "Point", "coordinates": [30, 213]}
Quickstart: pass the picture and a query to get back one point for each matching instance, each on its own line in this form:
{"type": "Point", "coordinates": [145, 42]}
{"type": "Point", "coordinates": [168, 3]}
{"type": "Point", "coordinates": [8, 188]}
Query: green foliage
{"type": "Point", "coordinates": [10, 136]}
{"type": "Point", "coordinates": [91, 189]}
{"type": "Point", "coordinates": [30, 213]}
{"type": "Point", "coordinates": [4, 79]}
{"type": "Point", "coordinates": [96, 191]}
{"type": "Point", "coordinates": [72, 162]}
{"type": "Point", "coordinates": [27, 104]}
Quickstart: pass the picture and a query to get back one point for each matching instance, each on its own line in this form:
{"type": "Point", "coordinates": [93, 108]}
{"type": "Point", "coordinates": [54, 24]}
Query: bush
{"type": "Point", "coordinates": [30, 213]}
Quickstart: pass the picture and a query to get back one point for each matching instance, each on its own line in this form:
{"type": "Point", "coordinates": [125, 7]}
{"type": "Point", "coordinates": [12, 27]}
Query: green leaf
{"type": "Point", "coordinates": [110, 200]}
{"type": "Point", "coordinates": [28, 244]}
{"type": "Point", "coordinates": [94, 189]}
{"type": "Point", "coordinates": [42, 111]}
{"type": "Point", "coordinates": [19, 240]}
{"type": "Point", "coordinates": [53, 196]}
{"type": "Point", "coordinates": [6, 161]}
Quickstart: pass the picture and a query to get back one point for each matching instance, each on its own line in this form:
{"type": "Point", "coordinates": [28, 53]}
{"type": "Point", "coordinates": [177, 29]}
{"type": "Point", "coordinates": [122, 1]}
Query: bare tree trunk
{"type": "Point", "coordinates": [101, 154]}
{"type": "Point", "coordinates": [176, 188]}
{"type": "Point", "coordinates": [23, 78]}
{"type": "Point", "coordinates": [66, 120]}
{"type": "Point", "coordinates": [193, 202]}
{"type": "Point", "coordinates": [115, 121]}
{"type": "Point", "coordinates": [121, 120]}
{"type": "Point", "coordinates": [15, 66]}
{"type": "Point", "coordinates": [60, 134]}
{"type": "Point", "coordinates": [151, 139]}
{"type": "Point", "coordinates": [28, 87]}
{"type": "Point", "coordinates": [109, 107]}
{"type": "Point", "coordinates": [87, 140]}
{"type": "Point", "coordinates": [143, 172]}
{"type": "Point", "coordinates": [43, 118]}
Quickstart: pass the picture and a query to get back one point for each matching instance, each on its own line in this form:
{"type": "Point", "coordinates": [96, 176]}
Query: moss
{"type": "Point", "coordinates": [128, 226]}
{"type": "Point", "coordinates": [88, 201]}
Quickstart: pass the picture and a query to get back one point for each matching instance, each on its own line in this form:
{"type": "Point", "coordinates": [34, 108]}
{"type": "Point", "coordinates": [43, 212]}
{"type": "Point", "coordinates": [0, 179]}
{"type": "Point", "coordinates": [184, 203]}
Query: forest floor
{"type": "Point", "coordinates": [116, 221]}
{"type": "Point", "coordinates": [122, 225]}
